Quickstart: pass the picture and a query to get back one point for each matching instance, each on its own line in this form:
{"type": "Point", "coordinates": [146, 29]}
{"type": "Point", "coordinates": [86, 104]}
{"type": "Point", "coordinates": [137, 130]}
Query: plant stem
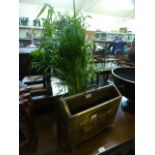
{"type": "Point", "coordinates": [74, 8]}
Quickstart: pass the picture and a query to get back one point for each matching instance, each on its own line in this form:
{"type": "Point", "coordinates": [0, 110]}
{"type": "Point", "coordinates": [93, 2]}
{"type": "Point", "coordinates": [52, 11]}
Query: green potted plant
{"type": "Point", "coordinates": [73, 57]}
{"type": "Point", "coordinates": [42, 57]}
{"type": "Point", "coordinates": [64, 48]}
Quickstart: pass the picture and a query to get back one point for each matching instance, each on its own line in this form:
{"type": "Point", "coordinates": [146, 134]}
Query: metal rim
{"type": "Point", "coordinates": [119, 77]}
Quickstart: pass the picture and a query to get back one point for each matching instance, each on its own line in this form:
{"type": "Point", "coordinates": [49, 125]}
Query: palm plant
{"type": "Point", "coordinates": [64, 48]}
{"type": "Point", "coordinates": [73, 61]}
{"type": "Point", "coordinates": [42, 58]}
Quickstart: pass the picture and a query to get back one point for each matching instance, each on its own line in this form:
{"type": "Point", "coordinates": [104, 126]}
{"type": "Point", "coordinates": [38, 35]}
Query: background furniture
{"type": "Point", "coordinates": [29, 35]}
{"type": "Point", "coordinates": [30, 76]}
{"type": "Point", "coordinates": [104, 69]}
{"type": "Point", "coordinates": [26, 119]}
{"type": "Point", "coordinates": [109, 36]}
{"type": "Point", "coordinates": [25, 66]}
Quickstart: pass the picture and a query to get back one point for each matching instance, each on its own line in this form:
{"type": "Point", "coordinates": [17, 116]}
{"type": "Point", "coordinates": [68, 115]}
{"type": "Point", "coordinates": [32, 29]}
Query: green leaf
{"type": "Point", "coordinates": [50, 10]}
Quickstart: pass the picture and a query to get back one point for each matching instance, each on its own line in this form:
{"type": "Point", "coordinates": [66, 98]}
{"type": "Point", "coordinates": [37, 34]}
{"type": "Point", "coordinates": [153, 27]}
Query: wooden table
{"type": "Point", "coordinates": [106, 66]}
{"type": "Point", "coordinates": [110, 59]}
{"type": "Point", "coordinates": [36, 86]}
{"type": "Point", "coordinates": [104, 69]}
{"type": "Point", "coordinates": [41, 101]}
{"type": "Point", "coordinates": [105, 60]}
{"type": "Point", "coordinates": [120, 134]}
{"type": "Point", "coordinates": [122, 131]}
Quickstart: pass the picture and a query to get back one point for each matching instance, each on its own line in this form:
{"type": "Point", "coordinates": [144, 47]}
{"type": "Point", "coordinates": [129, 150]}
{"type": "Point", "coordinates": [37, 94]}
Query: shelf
{"type": "Point", "coordinates": [37, 38]}
{"type": "Point", "coordinates": [25, 38]}
{"type": "Point", "coordinates": [110, 36]}
{"type": "Point", "coordinates": [119, 33]}
{"type": "Point", "coordinates": [30, 27]}
{"type": "Point", "coordinates": [29, 34]}
{"type": "Point", "coordinates": [109, 41]}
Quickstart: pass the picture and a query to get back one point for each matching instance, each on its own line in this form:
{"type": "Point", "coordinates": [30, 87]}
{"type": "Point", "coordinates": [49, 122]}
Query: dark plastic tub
{"type": "Point", "coordinates": [124, 79]}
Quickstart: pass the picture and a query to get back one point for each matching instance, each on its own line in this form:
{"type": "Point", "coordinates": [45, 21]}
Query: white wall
{"type": "Point", "coordinates": [31, 11]}
{"type": "Point", "coordinates": [28, 10]}
{"type": "Point", "coordinates": [102, 22]}
{"type": "Point", "coordinates": [130, 24]}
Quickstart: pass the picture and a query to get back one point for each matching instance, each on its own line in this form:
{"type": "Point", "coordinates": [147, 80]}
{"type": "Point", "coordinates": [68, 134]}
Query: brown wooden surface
{"type": "Point", "coordinates": [108, 59]}
{"type": "Point", "coordinates": [122, 130]}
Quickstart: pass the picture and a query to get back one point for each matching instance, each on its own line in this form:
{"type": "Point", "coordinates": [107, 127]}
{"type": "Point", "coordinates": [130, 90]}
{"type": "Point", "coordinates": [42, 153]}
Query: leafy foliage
{"type": "Point", "coordinates": [73, 57]}
{"type": "Point", "coordinates": [64, 48]}
{"type": "Point", "coordinates": [42, 58]}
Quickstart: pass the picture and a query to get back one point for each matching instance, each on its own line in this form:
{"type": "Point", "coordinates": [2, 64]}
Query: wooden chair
{"type": "Point", "coordinates": [128, 61]}
{"type": "Point", "coordinates": [26, 119]}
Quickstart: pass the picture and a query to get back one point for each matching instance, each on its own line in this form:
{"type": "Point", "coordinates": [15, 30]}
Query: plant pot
{"type": "Point", "coordinates": [82, 116]}
{"type": "Point", "coordinates": [124, 79]}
